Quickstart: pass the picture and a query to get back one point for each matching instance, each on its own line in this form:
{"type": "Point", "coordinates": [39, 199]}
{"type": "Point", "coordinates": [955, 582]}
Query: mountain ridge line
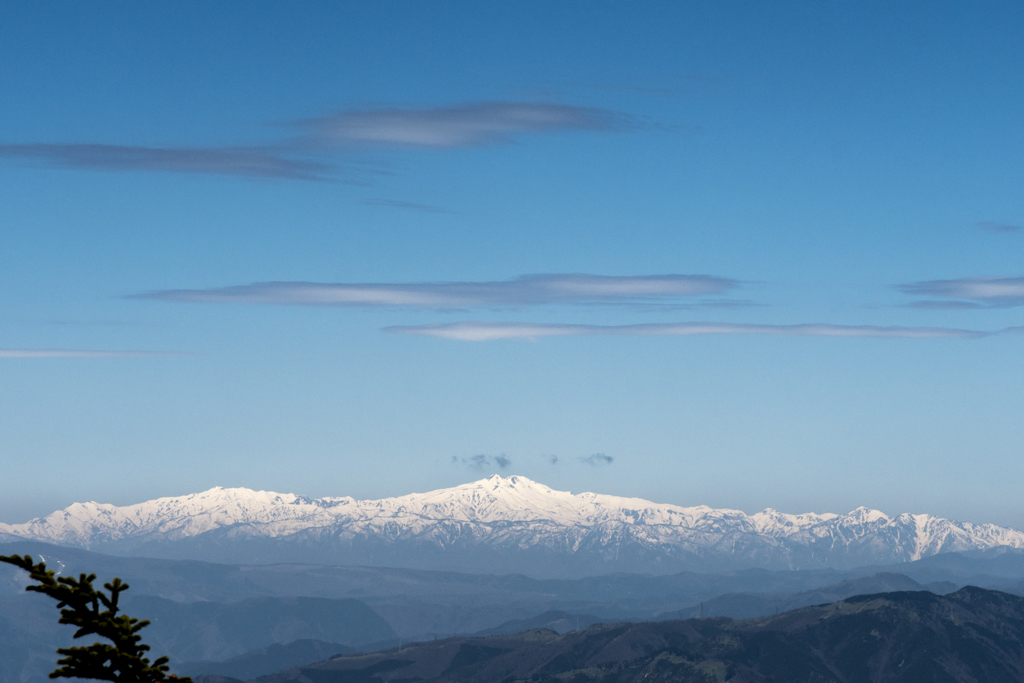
{"type": "Point", "coordinates": [503, 516]}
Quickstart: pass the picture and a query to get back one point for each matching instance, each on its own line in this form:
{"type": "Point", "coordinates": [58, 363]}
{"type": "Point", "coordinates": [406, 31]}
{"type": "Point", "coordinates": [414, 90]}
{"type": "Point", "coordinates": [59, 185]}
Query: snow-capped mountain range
{"type": "Point", "coordinates": [501, 525]}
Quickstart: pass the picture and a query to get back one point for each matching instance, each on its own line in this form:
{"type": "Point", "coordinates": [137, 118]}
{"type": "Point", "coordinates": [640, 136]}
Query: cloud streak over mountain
{"type": "Point", "coordinates": [597, 459]}
{"type": "Point", "coordinates": [527, 290]}
{"type": "Point", "coordinates": [971, 292]}
{"type": "Point", "coordinates": [481, 462]}
{"type": "Point", "coordinates": [486, 331]}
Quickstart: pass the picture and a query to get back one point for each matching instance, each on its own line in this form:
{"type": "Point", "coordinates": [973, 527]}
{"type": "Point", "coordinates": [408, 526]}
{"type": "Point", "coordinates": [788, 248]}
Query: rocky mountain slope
{"type": "Point", "coordinates": [501, 525]}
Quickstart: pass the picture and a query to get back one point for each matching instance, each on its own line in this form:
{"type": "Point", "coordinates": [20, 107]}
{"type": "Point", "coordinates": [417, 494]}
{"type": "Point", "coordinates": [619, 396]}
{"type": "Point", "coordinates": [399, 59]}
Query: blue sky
{"type": "Point", "coordinates": [751, 255]}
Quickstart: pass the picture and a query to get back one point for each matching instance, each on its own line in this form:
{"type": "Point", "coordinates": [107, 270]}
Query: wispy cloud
{"type": "Point", "coordinates": [975, 292]}
{"type": "Point", "coordinates": [993, 226]}
{"type": "Point", "coordinates": [80, 353]}
{"type": "Point", "coordinates": [597, 459]}
{"type": "Point", "coordinates": [316, 154]}
{"type": "Point", "coordinates": [673, 306]}
{"type": "Point", "coordinates": [405, 206]}
{"type": "Point", "coordinates": [485, 331]}
{"type": "Point", "coordinates": [466, 125]}
{"type": "Point", "coordinates": [236, 161]}
{"type": "Point", "coordinates": [483, 462]}
{"type": "Point", "coordinates": [592, 460]}
{"type": "Point", "coordinates": [679, 84]}
{"type": "Point", "coordinates": [527, 290]}
{"type": "Point", "coordinates": [949, 305]}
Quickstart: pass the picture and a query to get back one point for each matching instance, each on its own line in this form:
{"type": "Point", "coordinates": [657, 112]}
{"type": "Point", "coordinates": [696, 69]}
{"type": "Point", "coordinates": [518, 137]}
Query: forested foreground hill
{"type": "Point", "coordinates": [972, 635]}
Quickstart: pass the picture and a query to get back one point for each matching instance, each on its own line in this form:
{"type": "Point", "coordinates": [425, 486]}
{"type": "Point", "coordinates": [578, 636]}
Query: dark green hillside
{"type": "Point", "coordinates": [747, 606]}
{"type": "Point", "coordinates": [973, 635]}
{"type": "Point", "coordinates": [554, 620]}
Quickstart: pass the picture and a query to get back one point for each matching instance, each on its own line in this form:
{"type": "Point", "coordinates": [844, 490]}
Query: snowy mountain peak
{"type": "Point", "coordinates": [772, 522]}
{"type": "Point", "coordinates": [863, 514]}
{"type": "Point", "coordinates": [513, 483]}
{"type": "Point", "coordinates": [501, 524]}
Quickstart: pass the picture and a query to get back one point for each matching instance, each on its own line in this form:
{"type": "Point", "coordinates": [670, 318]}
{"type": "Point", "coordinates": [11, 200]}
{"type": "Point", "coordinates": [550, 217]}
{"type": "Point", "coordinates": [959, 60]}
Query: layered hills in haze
{"type": "Point", "coordinates": [244, 621]}
{"type": "Point", "coordinates": [502, 525]}
{"type": "Point", "coordinates": [903, 637]}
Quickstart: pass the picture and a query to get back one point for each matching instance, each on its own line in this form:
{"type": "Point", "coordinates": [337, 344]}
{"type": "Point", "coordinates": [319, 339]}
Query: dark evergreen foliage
{"type": "Point", "coordinates": [94, 612]}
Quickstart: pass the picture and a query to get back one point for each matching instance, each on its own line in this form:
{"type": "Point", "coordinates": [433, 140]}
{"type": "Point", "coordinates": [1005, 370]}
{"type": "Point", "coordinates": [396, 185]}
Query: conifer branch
{"type": "Point", "coordinates": [94, 612]}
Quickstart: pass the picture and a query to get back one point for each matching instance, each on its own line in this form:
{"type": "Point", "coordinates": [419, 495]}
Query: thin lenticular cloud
{"type": "Point", "coordinates": [975, 292]}
{"type": "Point", "coordinates": [483, 331]}
{"type": "Point", "coordinates": [405, 206]}
{"type": "Point", "coordinates": [79, 353]}
{"type": "Point", "coordinates": [467, 125]}
{"type": "Point", "coordinates": [236, 161]}
{"type": "Point", "coordinates": [993, 226]}
{"type": "Point", "coordinates": [527, 290]}
{"type": "Point", "coordinates": [316, 154]}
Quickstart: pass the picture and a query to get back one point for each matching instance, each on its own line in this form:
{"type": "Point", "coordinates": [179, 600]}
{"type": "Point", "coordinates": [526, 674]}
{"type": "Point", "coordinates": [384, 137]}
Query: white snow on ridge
{"type": "Point", "coordinates": [509, 512]}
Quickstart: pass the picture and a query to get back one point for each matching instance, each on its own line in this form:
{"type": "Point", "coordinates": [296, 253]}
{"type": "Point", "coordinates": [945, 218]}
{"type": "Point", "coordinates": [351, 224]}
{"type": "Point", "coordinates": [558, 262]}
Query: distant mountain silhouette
{"type": "Point", "coordinates": [972, 635]}
{"type": "Point", "coordinates": [747, 606]}
{"type": "Point", "coordinates": [193, 631]}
